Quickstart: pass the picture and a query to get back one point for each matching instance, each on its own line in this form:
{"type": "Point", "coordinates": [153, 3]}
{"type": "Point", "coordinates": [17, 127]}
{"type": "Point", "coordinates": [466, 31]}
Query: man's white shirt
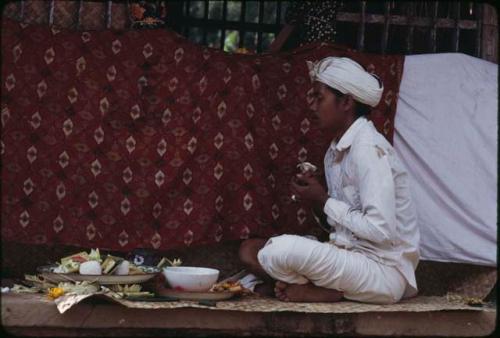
{"type": "Point", "coordinates": [370, 207]}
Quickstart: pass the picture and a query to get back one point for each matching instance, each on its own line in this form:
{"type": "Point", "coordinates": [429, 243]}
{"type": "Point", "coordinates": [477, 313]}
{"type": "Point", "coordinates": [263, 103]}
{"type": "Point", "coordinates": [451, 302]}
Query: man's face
{"type": "Point", "coordinates": [327, 107]}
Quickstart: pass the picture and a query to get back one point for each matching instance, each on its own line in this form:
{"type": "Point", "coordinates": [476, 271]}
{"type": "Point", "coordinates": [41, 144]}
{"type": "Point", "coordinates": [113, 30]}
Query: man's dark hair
{"type": "Point", "coordinates": [360, 110]}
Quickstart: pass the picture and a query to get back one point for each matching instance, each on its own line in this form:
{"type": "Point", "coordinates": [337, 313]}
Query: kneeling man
{"type": "Point", "coordinates": [373, 249]}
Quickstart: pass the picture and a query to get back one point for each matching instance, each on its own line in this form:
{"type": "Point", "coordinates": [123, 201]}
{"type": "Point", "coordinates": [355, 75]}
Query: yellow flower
{"type": "Point", "coordinates": [56, 292]}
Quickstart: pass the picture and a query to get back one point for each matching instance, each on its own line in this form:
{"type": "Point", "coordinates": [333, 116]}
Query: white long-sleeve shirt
{"type": "Point", "coordinates": [370, 206]}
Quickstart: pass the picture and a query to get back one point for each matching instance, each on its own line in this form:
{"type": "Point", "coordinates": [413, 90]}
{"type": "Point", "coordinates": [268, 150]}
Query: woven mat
{"type": "Point", "coordinates": [251, 304]}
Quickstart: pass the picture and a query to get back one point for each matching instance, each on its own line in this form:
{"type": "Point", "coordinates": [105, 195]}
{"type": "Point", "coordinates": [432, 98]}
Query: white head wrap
{"type": "Point", "coordinates": [348, 77]}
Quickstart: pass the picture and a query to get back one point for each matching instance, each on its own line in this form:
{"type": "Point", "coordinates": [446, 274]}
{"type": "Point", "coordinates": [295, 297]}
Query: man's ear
{"type": "Point", "coordinates": [348, 103]}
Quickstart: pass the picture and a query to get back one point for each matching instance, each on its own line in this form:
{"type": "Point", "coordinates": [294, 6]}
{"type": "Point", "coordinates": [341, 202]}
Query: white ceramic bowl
{"type": "Point", "coordinates": [188, 278]}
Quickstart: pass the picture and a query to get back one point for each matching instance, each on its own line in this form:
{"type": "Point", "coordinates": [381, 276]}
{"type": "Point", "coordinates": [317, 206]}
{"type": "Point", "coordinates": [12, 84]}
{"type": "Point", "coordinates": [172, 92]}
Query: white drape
{"type": "Point", "coordinates": [446, 136]}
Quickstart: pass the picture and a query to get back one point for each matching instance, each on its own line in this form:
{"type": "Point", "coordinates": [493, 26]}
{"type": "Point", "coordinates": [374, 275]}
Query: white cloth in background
{"type": "Point", "coordinates": [298, 260]}
{"type": "Point", "coordinates": [446, 136]}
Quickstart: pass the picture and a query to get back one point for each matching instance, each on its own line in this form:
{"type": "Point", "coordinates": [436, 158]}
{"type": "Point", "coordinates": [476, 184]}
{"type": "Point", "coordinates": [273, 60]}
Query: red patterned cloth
{"type": "Point", "coordinates": [134, 139]}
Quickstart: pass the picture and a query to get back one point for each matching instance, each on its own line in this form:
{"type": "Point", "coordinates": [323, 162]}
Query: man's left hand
{"type": "Point", "coordinates": [310, 189]}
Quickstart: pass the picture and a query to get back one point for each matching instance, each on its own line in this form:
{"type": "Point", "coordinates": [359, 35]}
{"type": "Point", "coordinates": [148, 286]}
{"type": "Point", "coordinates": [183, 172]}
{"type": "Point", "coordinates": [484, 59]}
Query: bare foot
{"type": "Point", "coordinates": [279, 290]}
{"type": "Point", "coordinates": [305, 293]}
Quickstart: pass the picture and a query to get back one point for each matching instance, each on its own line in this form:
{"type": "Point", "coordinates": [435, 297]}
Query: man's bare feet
{"type": "Point", "coordinates": [305, 293]}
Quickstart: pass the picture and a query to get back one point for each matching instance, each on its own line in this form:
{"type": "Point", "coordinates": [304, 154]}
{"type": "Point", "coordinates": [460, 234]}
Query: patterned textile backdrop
{"type": "Point", "coordinates": [134, 139]}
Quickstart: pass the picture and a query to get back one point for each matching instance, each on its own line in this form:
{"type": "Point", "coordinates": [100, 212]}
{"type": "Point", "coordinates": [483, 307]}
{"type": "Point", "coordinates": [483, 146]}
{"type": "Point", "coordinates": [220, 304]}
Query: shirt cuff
{"type": "Point", "coordinates": [336, 210]}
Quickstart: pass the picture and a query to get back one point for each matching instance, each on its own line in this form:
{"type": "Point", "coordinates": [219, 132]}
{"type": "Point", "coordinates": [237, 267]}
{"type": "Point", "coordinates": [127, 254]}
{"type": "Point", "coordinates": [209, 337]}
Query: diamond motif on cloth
{"type": "Point", "coordinates": [127, 175]}
{"type": "Point", "coordinates": [60, 191]}
{"type": "Point", "coordinates": [116, 46]}
{"type": "Point", "coordinates": [41, 88]}
{"type": "Point", "coordinates": [86, 37]}
{"type": "Point", "coordinates": [304, 126]}
{"type": "Point", "coordinates": [125, 206]}
{"type": "Point", "coordinates": [255, 82]}
{"type": "Point", "coordinates": [247, 201]}
{"type": "Point", "coordinates": [81, 64]}
{"type": "Point", "coordinates": [91, 231]}
{"type": "Point", "coordinates": [93, 199]}
{"type": "Point", "coordinates": [272, 180]}
{"type": "Point", "coordinates": [178, 54]}
{"type": "Point", "coordinates": [130, 144]}
{"type": "Point", "coordinates": [111, 73]}
{"type": "Point", "coordinates": [227, 77]}
{"type": "Point", "coordinates": [123, 238]}
{"type": "Point", "coordinates": [24, 218]}
{"type": "Point", "coordinates": [203, 84]}
{"type": "Point", "coordinates": [167, 115]}
{"type": "Point", "coordinates": [250, 110]}
{"type": "Point", "coordinates": [147, 51]}
{"type": "Point", "coordinates": [191, 146]}
{"type": "Point", "coordinates": [273, 151]}
{"type": "Point", "coordinates": [218, 171]}
{"type": "Point", "coordinates": [10, 82]}
{"type": "Point", "coordinates": [275, 211]}
{"type": "Point", "coordinates": [302, 154]}
{"type": "Point", "coordinates": [49, 55]}
{"type": "Point", "coordinates": [249, 141]}
{"type": "Point", "coordinates": [162, 147]}
{"type": "Point", "coordinates": [218, 234]}
{"type": "Point", "coordinates": [159, 178]}
{"type": "Point", "coordinates": [218, 140]}
{"type": "Point", "coordinates": [286, 67]}
{"type": "Point", "coordinates": [68, 127]}
{"type": "Point", "coordinates": [187, 176]}
{"type": "Point", "coordinates": [58, 224]}
{"type": "Point", "coordinates": [96, 167]}
{"type": "Point", "coordinates": [188, 206]}
{"type": "Point", "coordinates": [31, 154]}
{"type": "Point", "coordinates": [63, 159]}
{"type": "Point", "coordinates": [172, 84]}
{"type": "Point", "coordinates": [72, 95]}
{"type": "Point", "coordinates": [245, 233]}
{"type": "Point", "coordinates": [276, 121]}
{"type": "Point", "coordinates": [219, 203]}
{"type": "Point", "coordinates": [99, 135]}
{"type": "Point", "coordinates": [301, 216]}
{"type": "Point", "coordinates": [28, 186]}
{"type": "Point", "coordinates": [16, 52]}
{"type": "Point", "coordinates": [221, 109]}
{"type": "Point", "coordinates": [156, 240]}
{"type": "Point", "coordinates": [135, 112]}
{"type": "Point", "coordinates": [281, 92]}
{"type": "Point", "coordinates": [248, 172]}
{"type": "Point", "coordinates": [196, 114]}
{"type": "Point", "coordinates": [188, 237]}
{"type": "Point", "coordinates": [104, 105]}
{"type": "Point", "coordinates": [157, 210]}
{"type": "Point", "coordinates": [36, 119]}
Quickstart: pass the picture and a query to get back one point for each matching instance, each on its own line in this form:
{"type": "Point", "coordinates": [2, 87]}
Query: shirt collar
{"type": "Point", "coordinates": [348, 137]}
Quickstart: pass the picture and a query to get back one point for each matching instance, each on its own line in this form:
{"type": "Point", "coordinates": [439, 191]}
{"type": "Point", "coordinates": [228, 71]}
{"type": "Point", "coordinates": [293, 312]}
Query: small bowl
{"type": "Point", "coordinates": [189, 278]}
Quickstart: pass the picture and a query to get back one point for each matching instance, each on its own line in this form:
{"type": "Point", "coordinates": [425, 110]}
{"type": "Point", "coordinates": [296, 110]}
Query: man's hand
{"type": "Point", "coordinates": [307, 187]}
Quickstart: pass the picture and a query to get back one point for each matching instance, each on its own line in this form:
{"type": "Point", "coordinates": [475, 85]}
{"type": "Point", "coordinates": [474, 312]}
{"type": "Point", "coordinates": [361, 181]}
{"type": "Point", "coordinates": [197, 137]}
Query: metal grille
{"type": "Point", "coordinates": [410, 27]}
{"type": "Point", "coordinates": [229, 25]}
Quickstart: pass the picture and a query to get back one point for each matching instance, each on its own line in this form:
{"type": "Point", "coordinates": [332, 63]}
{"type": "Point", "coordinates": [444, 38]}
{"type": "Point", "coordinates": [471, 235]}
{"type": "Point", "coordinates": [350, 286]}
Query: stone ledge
{"type": "Point", "coordinates": [27, 315]}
